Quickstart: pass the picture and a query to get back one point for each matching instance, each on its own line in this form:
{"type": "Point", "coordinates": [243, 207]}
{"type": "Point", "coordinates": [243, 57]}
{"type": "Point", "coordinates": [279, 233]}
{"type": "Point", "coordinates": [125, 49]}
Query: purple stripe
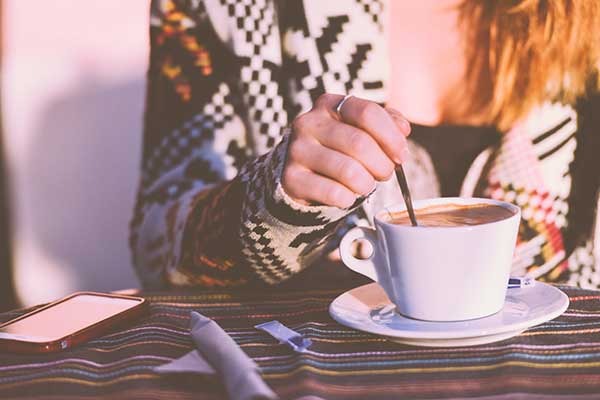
{"type": "Point", "coordinates": [441, 351]}
{"type": "Point", "coordinates": [145, 328]}
{"type": "Point", "coordinates": [84, 362]}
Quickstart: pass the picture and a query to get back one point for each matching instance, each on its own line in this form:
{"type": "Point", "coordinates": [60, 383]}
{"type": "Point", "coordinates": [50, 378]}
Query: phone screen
{"type": "Point", "coordinates": [66, 317]}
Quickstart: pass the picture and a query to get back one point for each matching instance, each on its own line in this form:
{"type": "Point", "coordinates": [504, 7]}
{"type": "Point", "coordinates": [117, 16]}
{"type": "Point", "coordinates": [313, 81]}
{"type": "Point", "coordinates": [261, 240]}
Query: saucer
{"type": "Point", "coordinates": [367, 308]}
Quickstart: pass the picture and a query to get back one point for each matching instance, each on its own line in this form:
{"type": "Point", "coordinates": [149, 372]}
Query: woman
{"type": "Point", "coordinates": [249, 171]}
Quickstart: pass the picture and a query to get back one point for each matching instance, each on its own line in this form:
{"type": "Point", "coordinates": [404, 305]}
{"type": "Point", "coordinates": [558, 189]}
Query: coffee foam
{"type": "Point", "coordinates": [452, 215]}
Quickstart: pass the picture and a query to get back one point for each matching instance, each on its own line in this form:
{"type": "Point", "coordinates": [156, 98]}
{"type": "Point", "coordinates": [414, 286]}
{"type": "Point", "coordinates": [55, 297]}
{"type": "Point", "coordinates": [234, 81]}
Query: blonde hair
{"type": "Point", "coordinates": [522, 53]}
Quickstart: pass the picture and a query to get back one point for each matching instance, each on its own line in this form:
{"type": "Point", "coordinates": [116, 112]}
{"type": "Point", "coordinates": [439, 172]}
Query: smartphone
{"type": "Point", "coordinates": [69, 321]}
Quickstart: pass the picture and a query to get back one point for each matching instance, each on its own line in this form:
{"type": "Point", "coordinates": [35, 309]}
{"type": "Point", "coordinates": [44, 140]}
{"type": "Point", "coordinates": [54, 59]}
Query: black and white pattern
{"type": "Point", "coordinates": [555, 148]}
{"type": "Point", "coordinates": [336, 51]}
{"type": "Point", "coordinates": [374, 8]}
{"type": "Point", "coordinates": [583, 267]}
{"type": "Point", "coordinates": [197, 137]}
{"type": "Point", "coordinates": [256, 43]}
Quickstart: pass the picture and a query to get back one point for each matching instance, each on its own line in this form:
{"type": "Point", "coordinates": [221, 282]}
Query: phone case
{"type": "Point", "coordinates": [75, 338]}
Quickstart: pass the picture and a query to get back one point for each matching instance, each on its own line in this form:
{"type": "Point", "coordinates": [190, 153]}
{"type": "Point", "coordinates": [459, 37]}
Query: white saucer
{"type": "Point", "coordinates": [367, 308]}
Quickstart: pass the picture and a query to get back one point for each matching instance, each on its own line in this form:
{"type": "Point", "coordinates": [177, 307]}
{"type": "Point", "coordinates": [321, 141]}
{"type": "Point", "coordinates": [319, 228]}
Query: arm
{"type": "Point", "coordinates": [558, 241]}
{"type": "Point", "coordinates": [584, 200]}
{"type": "Point", "coordinates": [207, 213]}
{"type": "Point", "coordinates": [193, 144]}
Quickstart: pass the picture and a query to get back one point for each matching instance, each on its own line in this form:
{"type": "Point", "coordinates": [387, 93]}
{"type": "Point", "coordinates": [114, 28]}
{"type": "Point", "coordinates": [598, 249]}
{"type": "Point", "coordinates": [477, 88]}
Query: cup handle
{"type": "Point", "coordinates": [364, 267]}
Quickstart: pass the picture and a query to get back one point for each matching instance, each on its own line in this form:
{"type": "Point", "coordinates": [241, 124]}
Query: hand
{"type": "Point", "coordinates": [333, 160]}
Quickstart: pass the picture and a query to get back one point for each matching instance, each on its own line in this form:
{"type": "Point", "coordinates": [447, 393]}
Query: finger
{"type": "Point", "coordinates": [357, 144]}
{"type": "Point", "coordinates": [330, 102]}
{"type": "Point", "coordinates": [373, 119]}
{"type": "Point", "coordinates": [303, 184]}
{"type": "Point", "coordinates": [378, 123]}
{"type": "Point", "coordinates": [400, 120]}
{"type": "Point", "coordinates": [333, 164]}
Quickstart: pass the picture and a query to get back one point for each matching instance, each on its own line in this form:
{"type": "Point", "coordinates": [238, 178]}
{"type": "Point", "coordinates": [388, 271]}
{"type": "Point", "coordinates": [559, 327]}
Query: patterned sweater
{"type": "Point", "coordinates": [226, 78]}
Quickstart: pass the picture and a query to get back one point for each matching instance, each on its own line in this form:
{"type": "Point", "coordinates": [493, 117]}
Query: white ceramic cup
{"type": "Point", "coordinates": [439, 273]}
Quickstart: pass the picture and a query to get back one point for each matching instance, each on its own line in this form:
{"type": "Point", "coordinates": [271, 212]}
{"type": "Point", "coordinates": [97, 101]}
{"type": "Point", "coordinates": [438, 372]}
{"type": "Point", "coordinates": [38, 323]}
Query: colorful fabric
{"type": "Point", "coordinates": [226, 79]}
{"type": "Point", "coordinates": [558, 358]}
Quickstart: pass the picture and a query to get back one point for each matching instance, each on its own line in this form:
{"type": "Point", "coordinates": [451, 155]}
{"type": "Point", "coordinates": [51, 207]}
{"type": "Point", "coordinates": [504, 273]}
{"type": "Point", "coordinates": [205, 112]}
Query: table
{"type": "Point", "coordinates": [558, 359]}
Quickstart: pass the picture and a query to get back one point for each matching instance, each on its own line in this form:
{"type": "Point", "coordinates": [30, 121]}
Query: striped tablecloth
{"type": "Point", "coordinates": [558, 359]}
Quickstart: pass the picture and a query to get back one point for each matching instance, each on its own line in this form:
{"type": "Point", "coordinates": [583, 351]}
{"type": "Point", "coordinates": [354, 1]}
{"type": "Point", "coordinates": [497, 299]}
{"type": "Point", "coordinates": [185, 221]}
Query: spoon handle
{"type": "Point", "coordinates": [406, 194]}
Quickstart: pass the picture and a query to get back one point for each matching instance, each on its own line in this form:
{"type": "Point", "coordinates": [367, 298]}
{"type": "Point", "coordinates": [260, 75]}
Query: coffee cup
{"type": "Point", "coordinates": [454, 272]}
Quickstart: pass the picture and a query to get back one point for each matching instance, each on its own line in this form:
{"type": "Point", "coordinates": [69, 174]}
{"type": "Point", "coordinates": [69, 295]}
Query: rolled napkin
{"type": "Point", "coordinates": [239, 373]}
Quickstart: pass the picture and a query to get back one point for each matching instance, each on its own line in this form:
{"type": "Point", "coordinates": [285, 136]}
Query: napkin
{"type": "Point", "coordinates": [216, 352]}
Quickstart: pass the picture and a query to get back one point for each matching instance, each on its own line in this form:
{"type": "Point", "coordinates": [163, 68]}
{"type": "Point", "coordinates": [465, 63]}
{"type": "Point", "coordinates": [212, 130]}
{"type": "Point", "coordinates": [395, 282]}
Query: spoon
{"type": "Point", "coordinates": [406, 194]}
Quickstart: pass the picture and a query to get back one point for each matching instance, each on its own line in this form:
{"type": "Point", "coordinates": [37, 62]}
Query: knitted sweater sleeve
{"type": "Point", "coordinates": [211, 211]}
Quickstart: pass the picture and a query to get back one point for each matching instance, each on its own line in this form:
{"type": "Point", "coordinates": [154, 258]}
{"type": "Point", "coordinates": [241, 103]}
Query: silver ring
{"type": "Point", "coordinates": [338, 108]}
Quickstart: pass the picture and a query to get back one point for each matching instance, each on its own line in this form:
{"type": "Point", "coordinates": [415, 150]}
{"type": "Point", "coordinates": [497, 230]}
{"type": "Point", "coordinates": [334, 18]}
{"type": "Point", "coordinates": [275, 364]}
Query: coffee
{"type": "Point", "coordinates": [450, 215]}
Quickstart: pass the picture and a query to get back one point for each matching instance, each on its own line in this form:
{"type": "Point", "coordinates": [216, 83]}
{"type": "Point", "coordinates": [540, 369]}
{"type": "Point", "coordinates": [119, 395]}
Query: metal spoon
{"type": "Point", "coordinates": [406, 194]}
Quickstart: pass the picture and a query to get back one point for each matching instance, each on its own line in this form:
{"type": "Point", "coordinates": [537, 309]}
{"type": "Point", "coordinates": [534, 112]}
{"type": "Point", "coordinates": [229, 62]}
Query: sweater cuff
{"type": "Point", "coordinates": [326, 212]}
{"type": "Point", "coordinates": [279, 236]}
